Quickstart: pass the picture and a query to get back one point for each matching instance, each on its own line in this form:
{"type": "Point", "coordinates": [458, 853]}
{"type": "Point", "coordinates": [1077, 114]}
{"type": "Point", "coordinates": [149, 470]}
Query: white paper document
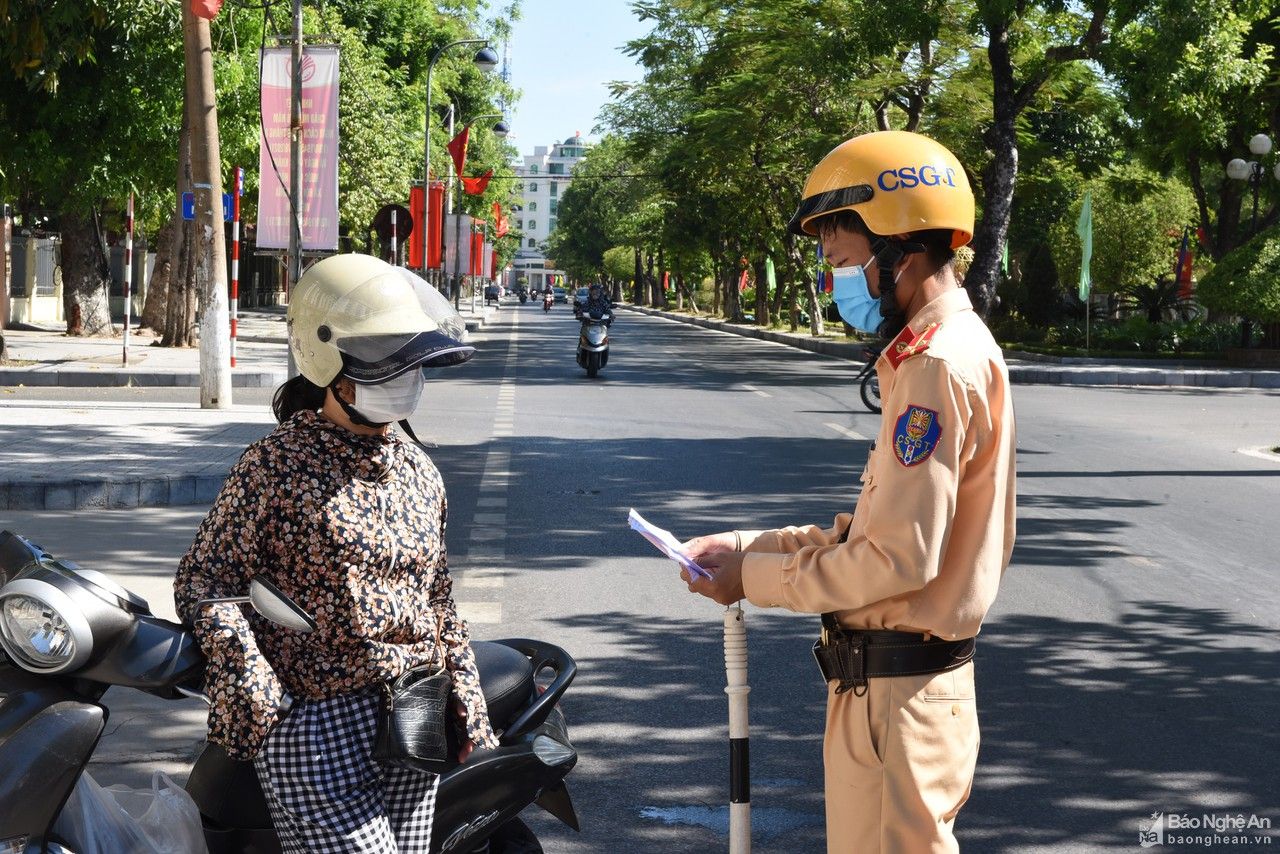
{"type": "Point", "coordinates": [664, 542]}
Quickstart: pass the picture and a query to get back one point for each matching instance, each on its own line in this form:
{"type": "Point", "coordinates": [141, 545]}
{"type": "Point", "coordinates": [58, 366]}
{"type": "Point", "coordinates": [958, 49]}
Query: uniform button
{"type": "Point", "coordinates": [955, 709]}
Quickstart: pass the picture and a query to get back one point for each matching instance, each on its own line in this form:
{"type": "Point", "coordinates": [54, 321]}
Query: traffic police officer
{"type": "Point", "coordinates": [903, 583]}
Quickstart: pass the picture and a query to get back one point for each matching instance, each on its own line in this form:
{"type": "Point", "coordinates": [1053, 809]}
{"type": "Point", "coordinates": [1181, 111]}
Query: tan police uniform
{"type": "Point", "coordinates": [927, 544]}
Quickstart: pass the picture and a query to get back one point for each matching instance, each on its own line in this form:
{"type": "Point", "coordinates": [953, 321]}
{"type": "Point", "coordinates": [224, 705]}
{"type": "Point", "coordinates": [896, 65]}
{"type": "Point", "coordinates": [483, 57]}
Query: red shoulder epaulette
{"type": "Point", "coordinates": [908, 344]}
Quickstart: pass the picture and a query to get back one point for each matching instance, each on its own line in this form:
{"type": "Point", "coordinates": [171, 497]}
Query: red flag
{"type": "Point", "coordinates": [500, 224]}
{"type": "Point", "coordinates": [742, 283]}
{"type": "Point", "coordinates": [458, 150]}
{"type": "Point", "coordinates": [475, 186]}
{"type": "Point", "coordinates": [666, 280]}
{"type": "Point", "coordinates": [207, 9]}
{"type": "Point", "coordinates": [1182, 272]}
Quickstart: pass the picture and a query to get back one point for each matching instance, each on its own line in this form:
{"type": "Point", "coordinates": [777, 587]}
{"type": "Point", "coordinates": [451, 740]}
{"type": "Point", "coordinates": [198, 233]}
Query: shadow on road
{"type": "Point", "coordinates": [1089, 727]}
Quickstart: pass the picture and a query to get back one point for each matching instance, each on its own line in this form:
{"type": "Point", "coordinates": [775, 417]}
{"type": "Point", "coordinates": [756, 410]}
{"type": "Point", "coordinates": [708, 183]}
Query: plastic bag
{"type": "Point", "coordinates": [120, 820]}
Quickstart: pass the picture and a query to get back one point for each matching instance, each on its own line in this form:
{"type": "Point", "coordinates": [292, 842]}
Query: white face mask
{"type": "Point", "coordinates": [394, 400]}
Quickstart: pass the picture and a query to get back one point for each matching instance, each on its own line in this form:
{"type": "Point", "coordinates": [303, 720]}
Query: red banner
{"type": "Point", "coordinates": [477, 253]}
{"type": "Point", "coordinates": [435, 225]}
{"type": "Point", "coordinates": [207, 9]}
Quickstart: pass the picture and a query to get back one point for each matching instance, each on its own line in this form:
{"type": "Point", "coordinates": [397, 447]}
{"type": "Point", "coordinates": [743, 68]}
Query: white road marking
{"type": "Point", "coordinates": [486, 548]}
{"type": "Point", "coordinates": [1262, 453]}
{"type": "Point", "coordinates": [755, 390]}
{"type": "Point", "coordinates": [845, 431]}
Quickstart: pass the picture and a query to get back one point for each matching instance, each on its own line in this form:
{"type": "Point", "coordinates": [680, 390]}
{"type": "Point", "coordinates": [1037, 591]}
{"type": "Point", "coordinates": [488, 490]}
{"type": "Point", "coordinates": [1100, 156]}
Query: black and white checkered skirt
{"type": "Point", "coordinates": [326, 792]}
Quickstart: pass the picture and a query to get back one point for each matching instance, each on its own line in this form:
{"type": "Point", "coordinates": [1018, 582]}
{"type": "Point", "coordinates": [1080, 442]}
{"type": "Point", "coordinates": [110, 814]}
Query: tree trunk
{"type": "Point", "coordinates": [762, 294]}
{"type": "Point", "coordinates": [85, 277]}
{"type": "Point", "coordinates": [179, 321]}
{"type": "Point", "coordinates": [206, 175]}
{"type": "Point", "coordinates": [650, 281]}
{"type": "Point", "coordinates": [999, 180]}
{"type": "Point", "coordinates": [637, 290]}
{"type": "Point", "coordinates": [660, 285]}
{"type": "Point", "coordinates": [168, 245]}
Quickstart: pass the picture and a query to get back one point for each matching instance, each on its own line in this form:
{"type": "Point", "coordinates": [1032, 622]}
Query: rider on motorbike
{"type": "Point", "coordinates": [347, 519]}
{"type": "Point", "coordinates": [598, 306]}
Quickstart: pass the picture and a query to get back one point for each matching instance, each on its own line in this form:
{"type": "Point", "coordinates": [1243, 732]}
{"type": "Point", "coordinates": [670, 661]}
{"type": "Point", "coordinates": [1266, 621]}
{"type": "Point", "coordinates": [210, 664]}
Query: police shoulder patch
{"type": "Point", "coordinates": [915, 435]}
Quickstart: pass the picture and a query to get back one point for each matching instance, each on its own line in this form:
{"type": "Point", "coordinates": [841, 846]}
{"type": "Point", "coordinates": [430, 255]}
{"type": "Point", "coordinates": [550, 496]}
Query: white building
{"type": "Point", "coordinates": [544, 176]}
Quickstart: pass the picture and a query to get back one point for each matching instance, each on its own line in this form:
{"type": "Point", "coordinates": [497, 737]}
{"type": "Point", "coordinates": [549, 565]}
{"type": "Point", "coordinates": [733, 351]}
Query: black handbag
{"type": "Point", "coordinates": [413, 718]}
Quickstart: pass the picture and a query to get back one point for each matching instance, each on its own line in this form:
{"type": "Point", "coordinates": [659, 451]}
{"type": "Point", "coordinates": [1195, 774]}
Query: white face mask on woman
{"type": "Point", "coordinates": [394, 400]}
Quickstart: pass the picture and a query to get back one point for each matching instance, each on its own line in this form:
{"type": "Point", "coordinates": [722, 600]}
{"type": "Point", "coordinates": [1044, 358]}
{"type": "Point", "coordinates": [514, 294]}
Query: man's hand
{"type": "Point", "coordinates": [725, 584]}
{"type": "Point", "coordinates": [700, 547]}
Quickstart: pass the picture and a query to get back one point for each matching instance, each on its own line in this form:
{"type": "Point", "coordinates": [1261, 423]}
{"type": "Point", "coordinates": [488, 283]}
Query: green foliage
{"type": "Point", "coordinates": [1246, 282]}
{"type": "Point", "coordinates": [1138, 219]}
{"type": "Point", "coordinates": [1135, 335]}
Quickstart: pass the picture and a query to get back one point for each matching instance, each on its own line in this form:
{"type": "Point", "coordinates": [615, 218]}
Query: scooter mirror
{"type": "Point", "coordinates": [268, 601]}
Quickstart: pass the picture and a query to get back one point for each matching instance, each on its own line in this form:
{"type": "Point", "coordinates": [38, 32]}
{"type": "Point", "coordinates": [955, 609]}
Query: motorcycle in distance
{"type": "Point", "coordinates": [593, 340]}
{"type": "Point", "coordinates": [548, 299]}
{"type": "Point", "coordinates": [67, 634]}
{"type": "Point", "coordinates": [868, 380]}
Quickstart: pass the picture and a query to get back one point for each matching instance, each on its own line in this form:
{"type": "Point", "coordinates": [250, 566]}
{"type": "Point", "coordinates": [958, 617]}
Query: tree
{"type": "Point", "coordinates": [1138, 218]}
{"type": "Point", "coordinates": [1246, 283]}
{"type": "Point", "coordinates": [113, 65]}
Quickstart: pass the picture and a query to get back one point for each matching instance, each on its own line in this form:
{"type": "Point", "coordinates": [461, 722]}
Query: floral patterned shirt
{"type": "Point", "coordinates": [349, 527]}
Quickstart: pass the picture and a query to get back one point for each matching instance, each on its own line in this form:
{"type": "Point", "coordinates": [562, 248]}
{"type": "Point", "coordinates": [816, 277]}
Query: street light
{"type": "Point", "coordinates": [1239, 169]}
{"type": "Point", "coordinates": [1251, 170]}
{"type": "Point", "coordinates": [485, 60]}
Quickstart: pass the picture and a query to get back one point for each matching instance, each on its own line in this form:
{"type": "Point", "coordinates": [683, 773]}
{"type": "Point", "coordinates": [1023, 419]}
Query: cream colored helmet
{"type": "Point", "coordinates": [360, 317]}
{"type": "Point", "coordinates": [898, 182]}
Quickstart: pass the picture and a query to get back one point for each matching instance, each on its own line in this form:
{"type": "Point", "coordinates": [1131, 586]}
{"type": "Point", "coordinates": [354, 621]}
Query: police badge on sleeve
{"type": "Point", "coordinates": [915, 435]}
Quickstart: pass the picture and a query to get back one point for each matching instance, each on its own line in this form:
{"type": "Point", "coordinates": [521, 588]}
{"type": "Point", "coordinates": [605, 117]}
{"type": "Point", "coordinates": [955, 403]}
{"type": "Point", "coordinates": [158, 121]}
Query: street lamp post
{"type": "Point", "coordinates": [1252, 171]}
{"type": "Point", "coordinates": [500, 130]}
{"type": "Point", "coordinates": [486, 60]}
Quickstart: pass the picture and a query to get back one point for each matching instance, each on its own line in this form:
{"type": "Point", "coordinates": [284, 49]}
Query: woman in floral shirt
{"type": "Point", "coordinates": [348, 520]}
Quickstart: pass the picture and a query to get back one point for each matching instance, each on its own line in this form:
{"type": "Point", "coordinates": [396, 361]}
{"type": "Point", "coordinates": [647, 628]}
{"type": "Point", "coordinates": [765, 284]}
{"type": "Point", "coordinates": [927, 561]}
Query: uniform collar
{"type": "Point", "coordinates": [940, 308]}
{"type": "Point", "coordinates": [916, 335]}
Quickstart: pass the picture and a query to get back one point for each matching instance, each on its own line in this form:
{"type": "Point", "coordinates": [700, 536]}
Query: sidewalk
{"type": "Point", "coordinates": [47, 357]}
{"type": "Point", "coordinates": [66, 455]}
{"type": "Point", "coordinates": [1024, 368]}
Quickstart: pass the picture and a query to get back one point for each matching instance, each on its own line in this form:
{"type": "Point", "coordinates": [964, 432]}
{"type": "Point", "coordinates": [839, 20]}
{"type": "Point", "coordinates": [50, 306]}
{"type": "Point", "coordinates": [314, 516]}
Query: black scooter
{"type": "Point", "coordinates": [870, 382]}
{"type": "Point", "coordinates": [69, 633]}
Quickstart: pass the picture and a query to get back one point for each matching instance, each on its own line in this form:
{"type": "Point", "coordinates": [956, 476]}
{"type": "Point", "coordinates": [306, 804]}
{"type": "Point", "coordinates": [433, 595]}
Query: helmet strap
{"type": "Point", "coordinates": [356, 417]}
{"type": "Point", "coordinates": [889, 253]}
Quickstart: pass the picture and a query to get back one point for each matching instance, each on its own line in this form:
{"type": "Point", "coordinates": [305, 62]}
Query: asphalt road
{"type": "Point", "coordinates": [1130, 665]}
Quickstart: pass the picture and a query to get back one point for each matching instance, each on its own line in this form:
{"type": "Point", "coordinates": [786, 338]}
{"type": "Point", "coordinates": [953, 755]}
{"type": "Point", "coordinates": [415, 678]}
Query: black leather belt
{"type": "Point", "coordinates": [852, 657]}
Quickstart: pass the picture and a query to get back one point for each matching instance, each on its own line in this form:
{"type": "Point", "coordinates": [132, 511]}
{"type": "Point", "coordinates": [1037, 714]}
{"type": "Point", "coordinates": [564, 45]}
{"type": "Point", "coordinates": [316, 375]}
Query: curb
{"type": "Point", "coordinates": [1037, 374]}
{"type": "Point", "coordinates": [80, 378]}
{"type": "Point", "coordinates": [105, 493]}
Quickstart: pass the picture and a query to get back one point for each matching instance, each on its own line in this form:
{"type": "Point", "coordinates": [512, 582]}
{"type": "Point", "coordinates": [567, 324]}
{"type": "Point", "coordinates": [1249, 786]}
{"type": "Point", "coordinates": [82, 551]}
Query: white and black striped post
{"type": "Point", "coordinates": [735, 669]}
{"type": "Point", "coordinates": [128, 274]}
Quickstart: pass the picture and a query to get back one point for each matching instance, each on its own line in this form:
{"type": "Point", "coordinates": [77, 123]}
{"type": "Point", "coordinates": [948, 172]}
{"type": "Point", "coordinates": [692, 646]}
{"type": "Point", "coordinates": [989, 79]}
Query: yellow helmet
{"type": "Point", "coordinates": [898, 182]}
{"type": "Point", "coordinates": [359, 316]}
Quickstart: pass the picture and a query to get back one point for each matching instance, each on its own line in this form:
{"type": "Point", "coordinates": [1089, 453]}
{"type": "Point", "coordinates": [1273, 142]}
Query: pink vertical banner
{"type": "Point", "coordinates": [319, 197]}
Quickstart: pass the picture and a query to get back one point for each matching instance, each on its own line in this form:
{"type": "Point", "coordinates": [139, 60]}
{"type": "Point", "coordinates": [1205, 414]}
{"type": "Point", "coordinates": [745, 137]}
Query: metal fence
{"type": "Point", "coordinates": [35, 260]}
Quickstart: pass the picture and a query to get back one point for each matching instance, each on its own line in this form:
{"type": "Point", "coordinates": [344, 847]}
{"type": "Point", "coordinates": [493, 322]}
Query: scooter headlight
{"type": "Point", "coordinates": [41, 628]}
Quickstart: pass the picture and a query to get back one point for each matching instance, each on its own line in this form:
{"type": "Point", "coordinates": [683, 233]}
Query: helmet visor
{"type": "Point", "coordinates": [376, 359]}
{"type": "Point", "coordinates": [822, 203]}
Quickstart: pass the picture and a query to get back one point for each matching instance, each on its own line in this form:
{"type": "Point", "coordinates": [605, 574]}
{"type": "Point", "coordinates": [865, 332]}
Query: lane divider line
{"type": "Point", "coordinates": [845, 431]}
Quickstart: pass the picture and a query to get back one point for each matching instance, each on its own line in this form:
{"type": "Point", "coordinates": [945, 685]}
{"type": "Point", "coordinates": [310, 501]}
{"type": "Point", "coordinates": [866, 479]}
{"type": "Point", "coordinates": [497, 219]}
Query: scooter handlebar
{"type": "Point", "coordinates": [541, 655]}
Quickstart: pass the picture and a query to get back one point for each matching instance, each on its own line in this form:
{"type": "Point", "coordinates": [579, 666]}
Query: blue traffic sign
{"type": "Point", "coordinates": [189, 206]}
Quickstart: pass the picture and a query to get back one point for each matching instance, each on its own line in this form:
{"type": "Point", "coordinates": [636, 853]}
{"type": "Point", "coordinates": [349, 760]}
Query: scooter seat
{"type": "Point", "coordinates": [506, 679]}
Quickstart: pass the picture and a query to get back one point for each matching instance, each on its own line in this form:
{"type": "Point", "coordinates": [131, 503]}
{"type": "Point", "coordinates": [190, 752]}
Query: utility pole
{"type": "Point", "coordinates": [295, 164]}
{"type": "Point", "coordinates": [206, 179]}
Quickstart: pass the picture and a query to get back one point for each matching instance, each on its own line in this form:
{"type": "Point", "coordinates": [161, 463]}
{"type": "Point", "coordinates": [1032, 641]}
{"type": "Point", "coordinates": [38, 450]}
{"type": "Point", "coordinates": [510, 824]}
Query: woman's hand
{"type": "Point", "coordinates": [467, 744]}
{"type": "Point", "coordinates": [700, 547]}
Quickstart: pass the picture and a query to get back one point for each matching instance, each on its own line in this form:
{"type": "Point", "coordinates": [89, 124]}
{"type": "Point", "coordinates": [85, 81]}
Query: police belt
{"type": "Point", "coordinates": [852, 657]}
